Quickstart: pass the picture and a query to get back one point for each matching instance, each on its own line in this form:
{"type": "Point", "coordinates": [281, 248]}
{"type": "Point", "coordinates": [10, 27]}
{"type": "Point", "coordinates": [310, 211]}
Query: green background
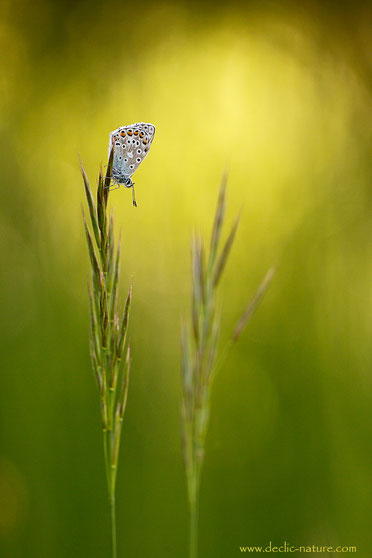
{"type": "Point", "coordinates": [280, 94]}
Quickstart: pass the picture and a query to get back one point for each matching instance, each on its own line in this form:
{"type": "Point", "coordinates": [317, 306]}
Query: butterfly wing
{"type": "Point", "coordinates": [131, 145]}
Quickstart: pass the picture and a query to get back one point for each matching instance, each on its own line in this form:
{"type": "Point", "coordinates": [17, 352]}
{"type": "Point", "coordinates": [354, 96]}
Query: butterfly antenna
{"type": "Point", "coordinates": [134, 197]}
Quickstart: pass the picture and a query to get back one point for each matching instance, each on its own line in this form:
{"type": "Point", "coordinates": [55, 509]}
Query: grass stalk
{"type": "Point", "coordinates": [201, 357]}
{"type": "Point", "coordinates": [194, 512]}
{"type": "Point", "coordinates": [113, 526]}
{"type": "Point", "coordinates": [109, 346]}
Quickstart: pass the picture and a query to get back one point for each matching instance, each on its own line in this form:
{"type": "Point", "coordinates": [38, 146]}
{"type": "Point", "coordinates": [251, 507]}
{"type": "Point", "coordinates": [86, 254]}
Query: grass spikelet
{"type": "Point", "coordinates": [108, 335]}
{"type": "Point", "coordinates": [200, 354]}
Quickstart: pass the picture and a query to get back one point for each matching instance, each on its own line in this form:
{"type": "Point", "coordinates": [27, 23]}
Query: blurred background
{"type": "Point", "coordinates": [280, 94]}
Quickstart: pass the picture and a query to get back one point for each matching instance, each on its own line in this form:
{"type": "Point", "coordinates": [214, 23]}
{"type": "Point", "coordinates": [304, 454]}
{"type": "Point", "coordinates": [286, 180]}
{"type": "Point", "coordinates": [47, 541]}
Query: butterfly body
{"type": "Point", "coordinates": [131, 145]}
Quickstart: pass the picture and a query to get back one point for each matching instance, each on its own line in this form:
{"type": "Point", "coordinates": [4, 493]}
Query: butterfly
{"type": "Point", "coordinates": [131, 145]}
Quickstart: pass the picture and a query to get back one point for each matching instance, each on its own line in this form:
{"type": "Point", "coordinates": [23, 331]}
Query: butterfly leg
{"type": "Point", "coordinates": [109, 188]}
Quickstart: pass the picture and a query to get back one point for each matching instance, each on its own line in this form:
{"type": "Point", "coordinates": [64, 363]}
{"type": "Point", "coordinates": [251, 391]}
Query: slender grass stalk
{"type": "Point", "coordinates": [109, 347]}
{"type": "Point", "coordinates": [201, 357]}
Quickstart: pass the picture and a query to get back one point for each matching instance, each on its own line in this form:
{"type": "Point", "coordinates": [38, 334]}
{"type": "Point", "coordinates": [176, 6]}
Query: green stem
{"type": "Point", "coordinates": [111, 481]}
{"type": "Point", "coordinates": [113, 525]}
{"type": "Point", "coordinates": [107, 462]}
{"type": "Point", "coordinates": [194, 531]}
{"type": "Point", "coordinates": [194, 516]}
